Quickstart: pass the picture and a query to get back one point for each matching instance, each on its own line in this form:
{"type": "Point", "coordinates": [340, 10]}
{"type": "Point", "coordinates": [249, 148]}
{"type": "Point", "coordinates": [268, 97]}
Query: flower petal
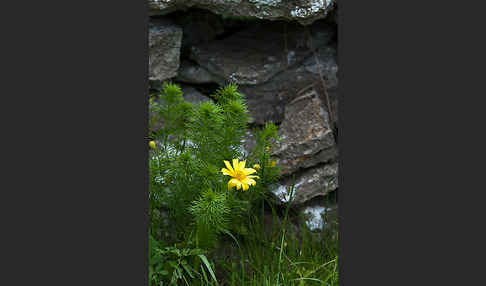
{"type": "Point", "coordinates": [226, 172]}
{"type": "Point", "coordinates": [228, 165]}
{"type": "Point", "coordinates": [242, 165]}
{"type": "Point", "coordinates": [248, 181]}
{"type": "Point", "coordinates": [238, 185]}
{"type": "Point", "coordinates": [251, 177]}
{"type": "Point", "coordinates": [232, 183]}
{"type": "Point", "coordinates": [245, 187]}
{"type": "Point", "coordinates": [249, 171]}
{"type": "Point", "coordinates": [235, 165]}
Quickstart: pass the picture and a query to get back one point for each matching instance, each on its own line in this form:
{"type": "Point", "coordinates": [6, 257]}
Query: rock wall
{"type": "Point", "coordinates": [282, 55]}
{"type": "Point", "coordinates": [303, 11]}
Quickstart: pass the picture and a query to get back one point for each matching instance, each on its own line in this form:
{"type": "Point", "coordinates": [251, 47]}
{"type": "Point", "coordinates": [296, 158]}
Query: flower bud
{"type": "Point", "coordinates": [152, 144]}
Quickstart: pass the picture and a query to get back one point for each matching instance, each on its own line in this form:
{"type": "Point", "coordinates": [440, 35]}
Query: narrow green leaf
{"type": "Point", "coordinates": [208, 266]}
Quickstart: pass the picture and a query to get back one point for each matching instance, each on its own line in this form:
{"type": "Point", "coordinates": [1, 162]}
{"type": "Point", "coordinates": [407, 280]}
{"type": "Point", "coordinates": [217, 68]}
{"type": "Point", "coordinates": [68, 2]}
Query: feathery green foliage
{"type": "Point", "coordinates": [211, 215]}
{"type": "Point", "coordinates": [193, 140]}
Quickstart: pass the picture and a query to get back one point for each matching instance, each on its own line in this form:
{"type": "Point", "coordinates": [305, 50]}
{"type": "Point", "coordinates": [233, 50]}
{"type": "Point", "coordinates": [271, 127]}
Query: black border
{"type": "Point", "coordinates": [75, 76]}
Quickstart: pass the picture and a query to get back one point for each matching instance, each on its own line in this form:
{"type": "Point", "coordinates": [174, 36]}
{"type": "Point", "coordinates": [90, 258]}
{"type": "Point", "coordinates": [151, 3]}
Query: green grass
{"type": "Point", "coordinates": [282, 256]}
{"type": "Point", "coordinates": [286, 253]}
{"type": "Point", "coordinates": [274, 253]}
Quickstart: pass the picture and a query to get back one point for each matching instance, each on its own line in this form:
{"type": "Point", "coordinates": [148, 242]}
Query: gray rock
{"type": "Point", "coordinates": [190, 72]}
{"type": "Point", "coordinates": [311, 183]}
{"type": "Point", "coordinates": [258, 53]}
{"type": "Point", "coordinates": [307, 149]}
{"type": "Point", "coordinates": [304, 11]}
{"type": "Point", "coordinates": [306, 136]}
{"type": "Point", "coordinates": [164, 49]}
{"type": "Point", "coordinates": [193, 95]}
{"type": "Point", "coordinates": [266, 102]}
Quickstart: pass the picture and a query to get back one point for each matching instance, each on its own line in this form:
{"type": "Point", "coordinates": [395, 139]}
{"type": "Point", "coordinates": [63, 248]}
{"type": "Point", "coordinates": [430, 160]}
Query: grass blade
{"type": "Point", "coordinates": [208, 266]}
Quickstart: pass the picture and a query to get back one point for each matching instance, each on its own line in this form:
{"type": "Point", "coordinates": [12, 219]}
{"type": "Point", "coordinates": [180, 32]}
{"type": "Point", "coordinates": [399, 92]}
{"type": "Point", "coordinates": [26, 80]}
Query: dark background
{"type": "Point", "coordinates": [74, 119]}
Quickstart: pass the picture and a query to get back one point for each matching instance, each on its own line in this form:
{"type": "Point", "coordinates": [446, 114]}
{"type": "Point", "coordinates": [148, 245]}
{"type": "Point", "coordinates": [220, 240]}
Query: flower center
{"type": "Point", "coordinates": [240, 175]}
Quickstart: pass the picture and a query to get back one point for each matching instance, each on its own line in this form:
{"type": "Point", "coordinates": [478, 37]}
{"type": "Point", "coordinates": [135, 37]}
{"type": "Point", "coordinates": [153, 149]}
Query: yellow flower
{"type": "Point", "coordinates": [152, 144]}
{"type": "Point", "coordinates": [241, 175]}
{"type": "Point", "coordinates": [273, 163]}
{"type": "Point", "coordinates": [267, 149]}
{"type": "Point", "coordinates": [256, 167]}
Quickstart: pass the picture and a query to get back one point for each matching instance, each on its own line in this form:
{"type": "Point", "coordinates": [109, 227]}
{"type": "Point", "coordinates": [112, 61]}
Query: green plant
{"type": "Point", "coordinates": [187, 187]}
{"type": "Point", "coordinates": [196, 217]}
{"type": "Point", "coordinates": [182, 264]}
{"type": "Point", "coordinates": [178, 265]}
{"type": "Point", "coordinates": [193, 141]}
{"type": "Point", "coordinates": [156, 265]}
{"type": "Point", "coordinates": [211, 215]}
{"type": "Point", "coordinates": [288, 257]}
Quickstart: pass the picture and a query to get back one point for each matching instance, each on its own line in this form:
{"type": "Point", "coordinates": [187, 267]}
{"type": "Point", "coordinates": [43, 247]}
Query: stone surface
{"type": "Point", "coordinates": [258, 53]}
{"type": "Point", "coordinates": [266, 102]}
{"type": "Point", "coordinates": [190, 72]}
{"type": "Point", "coordinates": [164, 49]}
{"type": "Point", "coordinates": [311, 183]}
{"type": "Point", "coordinates": [306, 136]}
{"type": "Point", "coordinates": [193, 95]}
{"type": "Point", "coordinates": [307, 150]}
{"type": "Point", "coordinates": [304, 11]}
